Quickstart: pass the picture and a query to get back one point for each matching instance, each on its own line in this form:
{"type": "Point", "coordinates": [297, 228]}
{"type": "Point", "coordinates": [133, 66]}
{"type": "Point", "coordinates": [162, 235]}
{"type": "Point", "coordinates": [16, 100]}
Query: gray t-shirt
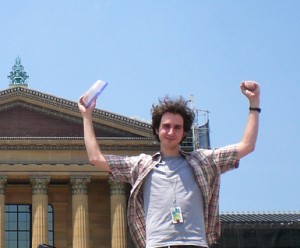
{"type": "Point", "coordinates": [170, 184]}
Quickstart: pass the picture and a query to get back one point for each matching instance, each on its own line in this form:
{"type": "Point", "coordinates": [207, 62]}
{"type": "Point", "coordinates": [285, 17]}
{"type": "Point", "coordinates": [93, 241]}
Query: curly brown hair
{"type": "Point", "coordinates": [174, 106]}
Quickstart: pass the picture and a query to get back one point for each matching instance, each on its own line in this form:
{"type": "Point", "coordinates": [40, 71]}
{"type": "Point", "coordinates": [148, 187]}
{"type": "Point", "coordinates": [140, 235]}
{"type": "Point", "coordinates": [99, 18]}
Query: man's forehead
{"type": "Point", "coordinates": [172, 118]}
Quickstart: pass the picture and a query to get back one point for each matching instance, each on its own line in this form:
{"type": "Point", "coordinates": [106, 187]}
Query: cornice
{"type": "Point", "coordinates": [79, 148]}
{"type": "Point", "coordinates": [43, 163]}
{"type": "Point", "coordinates": [39, 97]}
{"type": "Point", "coordinates": [77, 143]}
{"type": "Point", "coordinates": [77, 138]}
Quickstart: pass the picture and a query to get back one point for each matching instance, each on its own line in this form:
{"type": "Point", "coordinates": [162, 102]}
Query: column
{"type": "Point", "coordinates": [118, 215]}
{"type": "Point", "coordinates": [39, 209]}
{"type": "Point", "coordinates": [3, 181]}
{"type": "Point", "coordinates": [80, 211]}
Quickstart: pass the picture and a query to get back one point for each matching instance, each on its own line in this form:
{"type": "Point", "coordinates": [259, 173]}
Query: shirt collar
{"type": "Point", "coordinates": [158, 156]}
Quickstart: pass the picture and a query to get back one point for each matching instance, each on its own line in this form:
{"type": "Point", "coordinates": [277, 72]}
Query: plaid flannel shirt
{"type": "Point", "coordinates": [208, 165]}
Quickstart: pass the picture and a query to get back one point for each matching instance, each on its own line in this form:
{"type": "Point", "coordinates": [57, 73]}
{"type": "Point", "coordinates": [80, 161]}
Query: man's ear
{"type": "Point", "coordinates": [156, 131]}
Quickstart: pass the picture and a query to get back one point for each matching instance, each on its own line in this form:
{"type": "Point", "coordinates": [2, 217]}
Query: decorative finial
{"type": "Point", "coordinates": [18, 76]}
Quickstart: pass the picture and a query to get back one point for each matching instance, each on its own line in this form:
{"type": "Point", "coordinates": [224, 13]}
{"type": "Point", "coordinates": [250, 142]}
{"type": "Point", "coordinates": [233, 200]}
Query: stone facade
{"type": "Point", "coordinates": [43, 162]}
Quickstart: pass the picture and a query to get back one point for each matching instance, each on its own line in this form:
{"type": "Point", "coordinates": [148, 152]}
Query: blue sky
{"type": "Point", "coordinates": [148, 49]}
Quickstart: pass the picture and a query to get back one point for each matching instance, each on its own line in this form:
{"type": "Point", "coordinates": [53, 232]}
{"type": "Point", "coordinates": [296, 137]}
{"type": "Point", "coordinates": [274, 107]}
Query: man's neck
{"type": "Point", "coordinates": [170, 152]}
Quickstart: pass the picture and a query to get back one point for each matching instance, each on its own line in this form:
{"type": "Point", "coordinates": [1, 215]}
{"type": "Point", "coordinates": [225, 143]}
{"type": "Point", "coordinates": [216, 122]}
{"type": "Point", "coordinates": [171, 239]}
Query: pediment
{"type": "Point", "coordinates": [28, 113]}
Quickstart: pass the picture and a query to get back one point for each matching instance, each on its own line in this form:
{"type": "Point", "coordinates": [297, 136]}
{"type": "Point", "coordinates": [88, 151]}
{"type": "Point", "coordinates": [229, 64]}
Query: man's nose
{"type": "Point", "coordinates": [171, 130]}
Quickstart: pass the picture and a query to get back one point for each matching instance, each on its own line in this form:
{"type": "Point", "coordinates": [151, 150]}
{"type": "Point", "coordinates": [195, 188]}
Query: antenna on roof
{"type": "Point", "coordinates": [200, 133]}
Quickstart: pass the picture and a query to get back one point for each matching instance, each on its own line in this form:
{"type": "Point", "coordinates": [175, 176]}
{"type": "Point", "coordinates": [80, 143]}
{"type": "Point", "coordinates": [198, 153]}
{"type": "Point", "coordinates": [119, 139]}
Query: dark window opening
{"type": "Point", "coordinates": [18, 225]}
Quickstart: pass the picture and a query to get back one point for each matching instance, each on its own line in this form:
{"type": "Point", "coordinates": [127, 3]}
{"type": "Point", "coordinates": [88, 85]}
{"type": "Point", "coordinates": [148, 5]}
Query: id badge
{"type": "Point", "coordinates": [176, 215]}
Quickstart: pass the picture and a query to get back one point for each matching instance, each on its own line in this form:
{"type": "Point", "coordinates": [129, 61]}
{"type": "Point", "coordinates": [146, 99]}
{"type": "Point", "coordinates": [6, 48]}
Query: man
{"type": "Point", "coordinates": [174, 196]}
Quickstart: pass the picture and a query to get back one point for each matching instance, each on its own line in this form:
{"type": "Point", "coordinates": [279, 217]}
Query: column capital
{"type": "Point", "coordinates": [3, 181]}
{"type": "Point", "coordinates": [79, 184]}
{"type": "Point", "coordinates": [117, 188]}
{"type": "Point", "coordinates": [39, 184]}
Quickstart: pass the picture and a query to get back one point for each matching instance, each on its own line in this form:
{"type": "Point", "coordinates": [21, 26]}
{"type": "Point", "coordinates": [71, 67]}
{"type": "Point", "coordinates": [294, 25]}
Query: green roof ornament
{"type": "Point", "coordinates": [18, 76]}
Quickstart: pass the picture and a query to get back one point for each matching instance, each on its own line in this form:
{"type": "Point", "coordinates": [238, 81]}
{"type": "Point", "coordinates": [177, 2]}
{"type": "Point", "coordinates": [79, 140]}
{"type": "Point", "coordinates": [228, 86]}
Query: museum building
{"type": "Point", "coordinates": [49, 193]}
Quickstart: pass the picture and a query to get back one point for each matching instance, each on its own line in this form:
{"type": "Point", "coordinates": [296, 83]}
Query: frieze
{"type": "Point", "coordinates": [41, 147]}
{"type": "Point", "coordinates": [152, 143]}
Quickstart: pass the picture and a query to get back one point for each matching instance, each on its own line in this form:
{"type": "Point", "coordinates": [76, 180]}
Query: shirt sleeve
{"type": "Point", "coordinates": [119, 168]}
{"type": "Point", "coordinates": [224, 158]}
{"type": "Point", "coordinates": [125, 168]}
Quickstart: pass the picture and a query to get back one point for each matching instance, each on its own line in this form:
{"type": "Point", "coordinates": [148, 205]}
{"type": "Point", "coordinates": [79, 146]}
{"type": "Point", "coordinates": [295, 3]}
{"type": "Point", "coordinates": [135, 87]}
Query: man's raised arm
{"type": "Point", "coordinates": [252, 91]}
{"type": "Point", "coordinates": [93, 150]}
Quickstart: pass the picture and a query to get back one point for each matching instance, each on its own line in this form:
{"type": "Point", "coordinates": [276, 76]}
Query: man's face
{"type": "Point", "coordinates": [171, 131]}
